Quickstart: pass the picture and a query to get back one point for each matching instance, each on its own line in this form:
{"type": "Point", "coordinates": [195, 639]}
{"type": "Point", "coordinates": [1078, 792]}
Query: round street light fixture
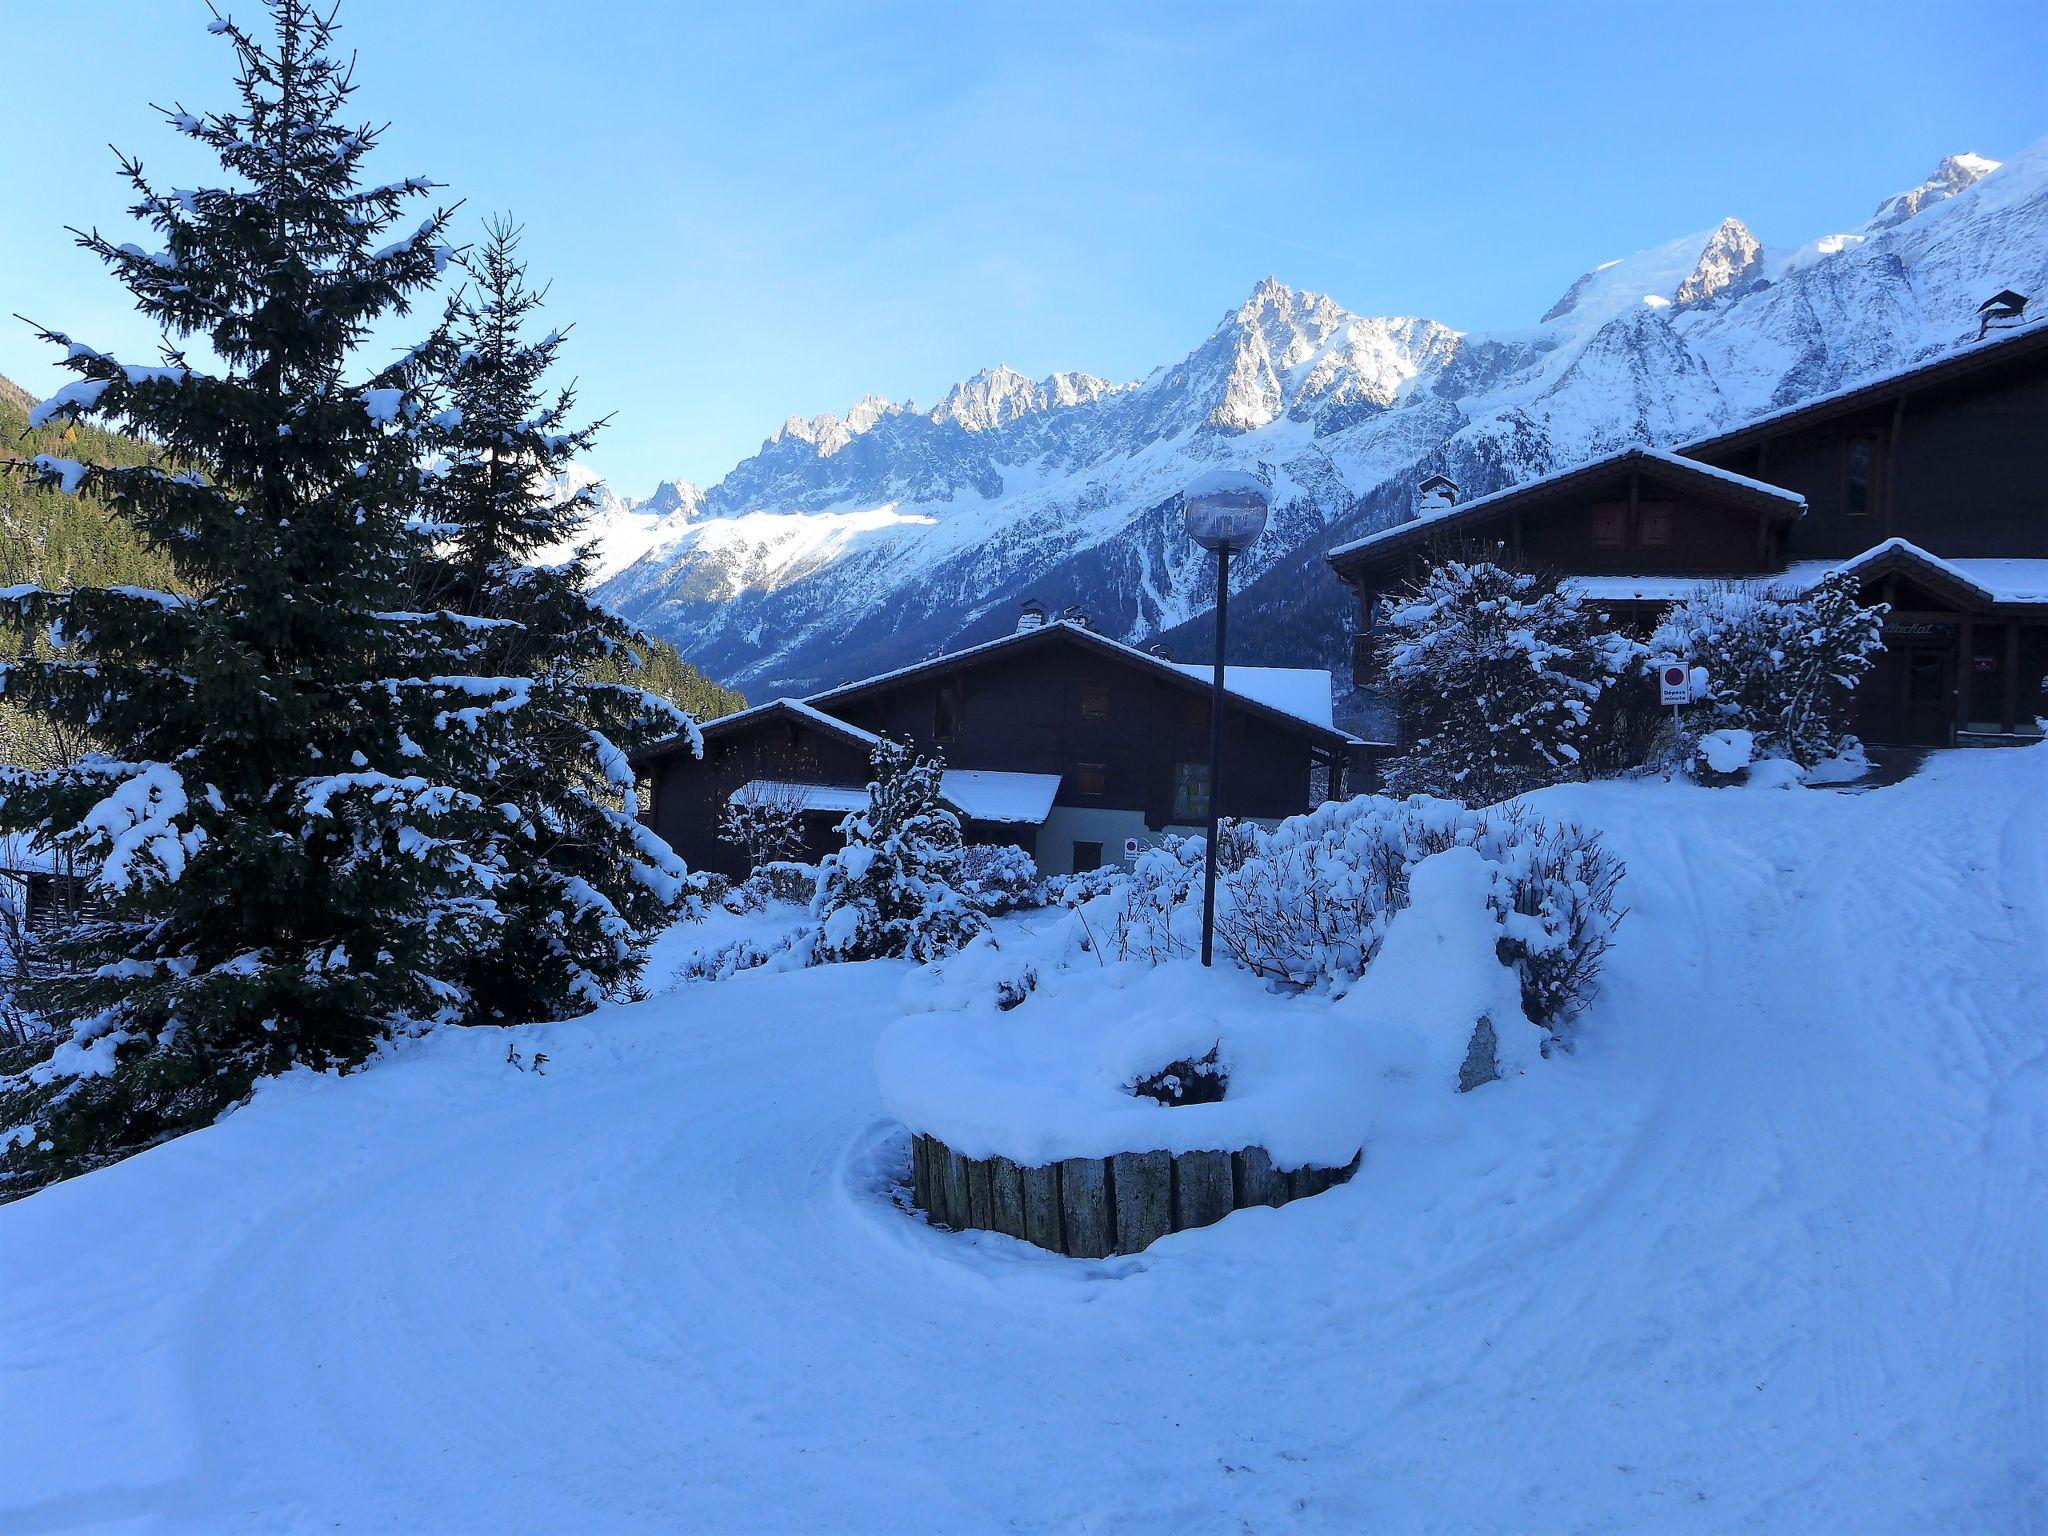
{"type": "Point", "coordinates": [1225, 512]}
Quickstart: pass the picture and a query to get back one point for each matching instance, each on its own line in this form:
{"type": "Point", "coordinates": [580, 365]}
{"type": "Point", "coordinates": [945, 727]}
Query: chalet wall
{"type": "Point", "coordinates": [1960, 471]}
{"type": "Point", "coordinates": [1032, 712]}
{"type": "Point", "coordinates": [690, 792]}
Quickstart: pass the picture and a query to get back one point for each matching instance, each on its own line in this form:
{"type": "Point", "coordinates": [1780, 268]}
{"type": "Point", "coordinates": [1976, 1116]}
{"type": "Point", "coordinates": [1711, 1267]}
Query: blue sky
{"type": "Point", "coordinates": [754, 210]}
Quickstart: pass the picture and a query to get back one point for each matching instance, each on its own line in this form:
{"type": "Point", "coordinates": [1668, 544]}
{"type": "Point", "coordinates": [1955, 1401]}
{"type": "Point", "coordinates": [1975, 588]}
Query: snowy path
{"type": "Point", "coordinates": [1765, 1254]}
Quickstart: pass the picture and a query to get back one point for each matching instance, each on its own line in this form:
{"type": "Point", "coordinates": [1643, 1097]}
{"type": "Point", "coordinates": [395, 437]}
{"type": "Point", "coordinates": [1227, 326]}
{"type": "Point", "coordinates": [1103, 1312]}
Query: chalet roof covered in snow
{"type": "Point", "coordinates": [1725, 485]}
{"type": "Point", "coordinates": [794, 709]}
{"type": "Point", "coordinates": [1300, 691]}
{"type": "Point", "coordinates": [977, 793]}
{"type": "Point", "coordinates": [1989, 581]}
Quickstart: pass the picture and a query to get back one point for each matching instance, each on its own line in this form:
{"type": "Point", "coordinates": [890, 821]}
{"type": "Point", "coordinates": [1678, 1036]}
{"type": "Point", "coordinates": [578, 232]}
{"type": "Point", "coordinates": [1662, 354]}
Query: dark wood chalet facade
{"type": "Point", "coordinates": [1931, 485]}
{"type": "Point", "coordinates": [1061, 741]}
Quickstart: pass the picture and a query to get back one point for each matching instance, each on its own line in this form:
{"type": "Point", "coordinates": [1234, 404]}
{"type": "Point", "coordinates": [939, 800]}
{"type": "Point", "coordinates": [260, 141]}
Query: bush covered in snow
{"type": "Point", "coordinates": [1781, 670]}
{"type": "Point", "coordinates": [1503, 681]}
{"type": "Point", "coordinates": [780, 880]}
{"type": "Point", "coordinates": [894, 889]}
{"type": "Point", "coordinates": [1083, 886]}
{"type": "Point", "coordinates": [998, 877]}
{"type": "Point", "coordinates": [1309, 902]}
{"type": "Point", "coordinates": [765, 819]}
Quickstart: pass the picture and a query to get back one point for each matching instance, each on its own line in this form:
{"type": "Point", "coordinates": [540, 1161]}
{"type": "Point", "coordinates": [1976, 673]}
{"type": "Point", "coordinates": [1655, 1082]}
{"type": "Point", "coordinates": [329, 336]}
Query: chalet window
{"type": "Point", "coordinates": [1859, 476]}
{"type": "Point", "coordinates": [1610, 527]}
{"type": "Point", "coordinates": [1655, 526]}
{"type": "Point", "coordinates": [1090, 778]}
{"type": "Point", "coordinates": [1087, 856]}
{"type": "Point", "coordinates": [1190, 792]}
{"type": "Point", "coordinates": [1198, 716]}
{"type": "Point", "coordinates": [1095, 701]}
{"type": "Point", "coordinates": [945, 715]}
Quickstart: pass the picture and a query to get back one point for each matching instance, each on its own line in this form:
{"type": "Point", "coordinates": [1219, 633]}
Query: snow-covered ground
{"type": "Point", "coordinates": [1763, 1254]}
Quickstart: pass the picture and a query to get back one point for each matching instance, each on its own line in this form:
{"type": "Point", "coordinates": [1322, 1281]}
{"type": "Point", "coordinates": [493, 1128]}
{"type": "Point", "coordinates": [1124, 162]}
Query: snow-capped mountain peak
{"type": "Point", "coordinates": [1954, 174]}
{"type": "Point", "coordinates": [1731, 258]}
{"type": "Point", "coordinates": [853, 543]}
{"type": "Point", "coordinates": [997, 396]}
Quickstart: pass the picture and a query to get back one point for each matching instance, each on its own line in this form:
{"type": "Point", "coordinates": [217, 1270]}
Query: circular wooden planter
{"type": "Point", "coordinates": [1091, 1207]}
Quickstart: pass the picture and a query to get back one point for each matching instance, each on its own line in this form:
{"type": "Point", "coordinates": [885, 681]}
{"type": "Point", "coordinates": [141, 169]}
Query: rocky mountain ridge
{"type": "Point", "coordinates": [854, 542]}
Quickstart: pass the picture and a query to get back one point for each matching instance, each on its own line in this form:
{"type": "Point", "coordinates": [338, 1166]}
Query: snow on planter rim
{"type": "Point", "coordinates": [1048, 1080]}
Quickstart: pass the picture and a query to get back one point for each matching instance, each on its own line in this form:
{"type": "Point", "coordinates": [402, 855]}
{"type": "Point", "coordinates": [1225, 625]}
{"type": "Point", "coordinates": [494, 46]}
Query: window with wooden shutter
{"type": "Point", "coordinates": [1090, 778]}
{"type": "Point", "coordinates": [1654, 521]}
{"type": "Point", "coordinates": [1610, 526]}
{"type": "Point", "coordinates": [1095, 701]}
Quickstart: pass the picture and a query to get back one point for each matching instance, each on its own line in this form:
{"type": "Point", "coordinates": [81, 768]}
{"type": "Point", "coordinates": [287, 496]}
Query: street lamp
{"type": "Point", "coordinates": [1225, 511]}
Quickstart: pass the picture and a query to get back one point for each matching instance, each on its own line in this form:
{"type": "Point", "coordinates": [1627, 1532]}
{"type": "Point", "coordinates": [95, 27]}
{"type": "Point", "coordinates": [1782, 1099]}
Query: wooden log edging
{"type": "Point", "coordinates": [1092, 1207]}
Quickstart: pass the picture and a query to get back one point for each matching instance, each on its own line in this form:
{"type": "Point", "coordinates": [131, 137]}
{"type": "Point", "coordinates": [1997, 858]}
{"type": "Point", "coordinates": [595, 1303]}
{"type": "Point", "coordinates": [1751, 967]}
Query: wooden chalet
{"type": "Point", "coordinates": [1061, 741]}
{"type": "Point", "coordinates": [1931, 485]}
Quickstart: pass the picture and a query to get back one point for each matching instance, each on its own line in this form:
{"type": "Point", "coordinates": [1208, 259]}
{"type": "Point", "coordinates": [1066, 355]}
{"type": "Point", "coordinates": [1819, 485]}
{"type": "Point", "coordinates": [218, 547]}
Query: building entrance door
{"type": "Point", "coordinates": [1930, 695]}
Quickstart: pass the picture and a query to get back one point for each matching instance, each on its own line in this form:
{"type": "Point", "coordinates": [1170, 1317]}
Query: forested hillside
{"type": "Point", "coordinates": [67, 541]}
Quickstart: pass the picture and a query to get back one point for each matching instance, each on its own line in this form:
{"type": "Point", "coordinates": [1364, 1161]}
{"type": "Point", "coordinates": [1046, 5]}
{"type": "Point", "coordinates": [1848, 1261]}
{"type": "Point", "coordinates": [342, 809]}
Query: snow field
{"type": "Point", "coordinates": [1764, 1253]}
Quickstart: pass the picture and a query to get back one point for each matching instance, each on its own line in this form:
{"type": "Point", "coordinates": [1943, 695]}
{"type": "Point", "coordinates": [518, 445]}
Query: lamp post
{"type": "Point", "coordinates": [1225, 511]}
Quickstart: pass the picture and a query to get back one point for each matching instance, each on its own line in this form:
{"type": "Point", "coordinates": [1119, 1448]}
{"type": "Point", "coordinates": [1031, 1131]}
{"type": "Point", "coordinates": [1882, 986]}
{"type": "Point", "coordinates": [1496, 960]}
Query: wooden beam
{"type": "Point", "coordinates": [2011, 719]}
{"type": "Point", "coordinates": [1966, 661]}
{"type": "Point", "coordinates": [1891, 459]}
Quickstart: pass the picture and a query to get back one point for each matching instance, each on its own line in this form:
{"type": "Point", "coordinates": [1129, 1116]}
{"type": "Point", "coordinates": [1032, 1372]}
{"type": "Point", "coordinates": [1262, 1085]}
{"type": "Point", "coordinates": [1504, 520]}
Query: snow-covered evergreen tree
{"type": "Point", "coordinates": [1499, 677]}
{"type": "Point", "coordinates": [765, 818]}
{"type": "Point", "coordinates": [1782, 666]}
{"type": "Point", "coordinates": [894, 889]}
{"type": "Point", "coordinates": [588, 886]}
{"type": "Point", "coordinates": [287, 867]}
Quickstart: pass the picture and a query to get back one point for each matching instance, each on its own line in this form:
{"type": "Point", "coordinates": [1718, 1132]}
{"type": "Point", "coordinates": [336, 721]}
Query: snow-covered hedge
{"type": "Point", "coordinates": [1780, 671]}
{"type": "Point", "coordinates": [997, 877]}
{"type": "Point", "coordinates": [1500, 677]}
{"type": "Point", "coordinates": [1309, 902]}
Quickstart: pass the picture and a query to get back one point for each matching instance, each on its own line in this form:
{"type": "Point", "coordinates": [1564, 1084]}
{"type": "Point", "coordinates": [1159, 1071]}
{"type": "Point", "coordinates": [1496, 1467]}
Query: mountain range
{"type": "Point", "coordinates": [855, 542]}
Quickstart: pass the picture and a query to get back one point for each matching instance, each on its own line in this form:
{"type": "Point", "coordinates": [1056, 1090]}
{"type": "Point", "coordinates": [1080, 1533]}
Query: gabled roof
{"type": "Point", "coordinates": [979, 794]}
{"type": "Point", "coordinates": [1972, 584]}
{"type": "Point", "coordinates": [1996, 350]}
{"type": "Point", "coordinates": [1067, 631]}
{"type": "Point", "coordinates": [792, 709]}
{"type": "Point", "coordinates": [1742, 490]}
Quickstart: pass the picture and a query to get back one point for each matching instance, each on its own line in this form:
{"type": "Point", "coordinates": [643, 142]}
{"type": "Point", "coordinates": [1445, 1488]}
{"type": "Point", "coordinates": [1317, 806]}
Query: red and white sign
{"type": "Point", "coordinates": [1674, 683]}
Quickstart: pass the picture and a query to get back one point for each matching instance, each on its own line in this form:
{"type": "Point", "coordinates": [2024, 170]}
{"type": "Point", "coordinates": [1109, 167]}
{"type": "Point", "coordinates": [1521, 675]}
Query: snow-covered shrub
{"type": "Point", "coordinates": [766, 819]}
{"type": "Point", "coordinates": [746, 954]}
{"type": "Point", "coordinates": [1309, 902]}
{"type": "Point", "coordinates": [1083, 886]}
{"type": "Point", "coordinates": [894, 889]}
{"type": "Point", "coordinates": [998, 877]}
{"type": "Point", "coordinates": [778, 881]}
{"type": "Point", "coordinates": [1500, 678]}
{"type": "Point", "coordinates": [1781, 666]}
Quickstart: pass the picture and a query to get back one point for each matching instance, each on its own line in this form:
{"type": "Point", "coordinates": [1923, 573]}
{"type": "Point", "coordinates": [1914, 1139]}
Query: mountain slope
{"type": "Point", "coordinates": [855, 542]}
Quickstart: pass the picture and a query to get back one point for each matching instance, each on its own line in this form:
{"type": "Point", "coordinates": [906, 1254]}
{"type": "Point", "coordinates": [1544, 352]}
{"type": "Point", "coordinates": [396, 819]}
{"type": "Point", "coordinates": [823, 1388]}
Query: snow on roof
{"type": "Point", "coordinates": [1303, 692]}
{"type": "Point", "coordinates": [815, 716]}
{"type": "Point", "coordinates": [986, 795]}
{"type": "Point", "coordinates": [1996, 581]}
{"type": "Point", "coordinates": [979, 794]}
{"type": "Point", "coordinates": [1461, 509]}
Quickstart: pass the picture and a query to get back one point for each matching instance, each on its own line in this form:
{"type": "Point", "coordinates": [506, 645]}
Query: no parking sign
{"type": "Point", "coordinates": [1674, 682]}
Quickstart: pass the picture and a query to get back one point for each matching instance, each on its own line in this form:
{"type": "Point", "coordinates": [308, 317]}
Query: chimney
{"type": "Point", "coordinates": [2004, 308]}
{"type": "Point", "coordinates": [1435, 494]}
{"type": "Point", "coordinates": [1031, 615]}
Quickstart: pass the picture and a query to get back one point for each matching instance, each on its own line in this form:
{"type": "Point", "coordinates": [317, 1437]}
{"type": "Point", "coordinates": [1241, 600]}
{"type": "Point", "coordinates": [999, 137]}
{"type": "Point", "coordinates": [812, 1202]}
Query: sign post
{"type": "Point", "coordinates": [1224, 511]}
{"type": "Point", "coordinates": [1674, 684]}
